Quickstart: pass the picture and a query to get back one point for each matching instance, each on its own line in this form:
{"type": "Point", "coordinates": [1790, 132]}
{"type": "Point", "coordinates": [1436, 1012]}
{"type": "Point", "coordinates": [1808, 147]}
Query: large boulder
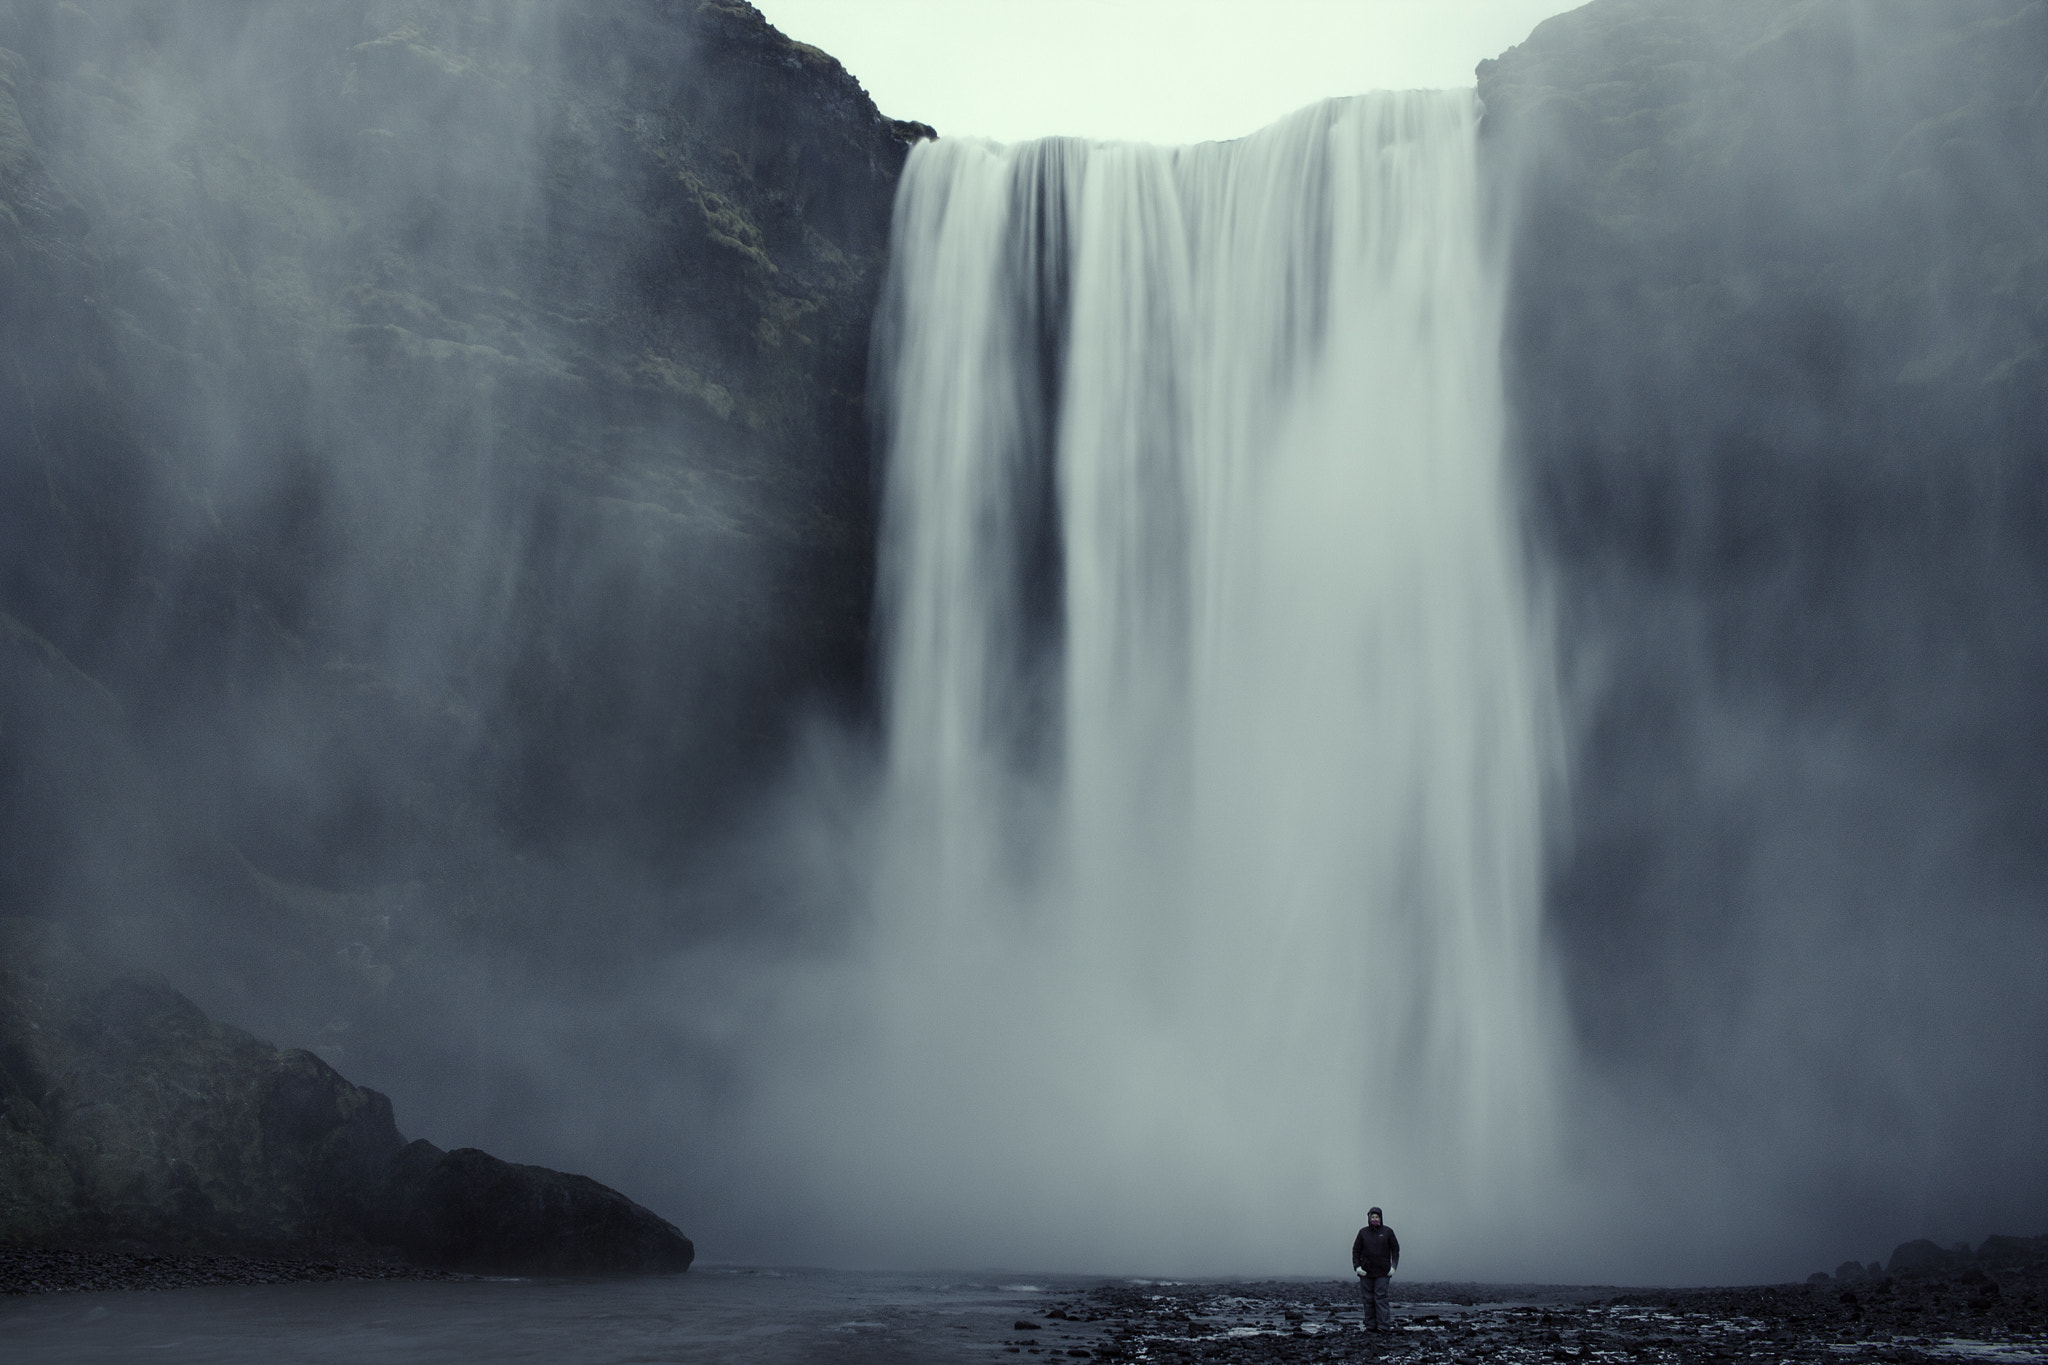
{"type": "Point", "coordinates": [1923, 1255]}
{"type": "Point", "coordinates": [2003, 1251]}
{"type": "Point", "coordinates": [468, 1210]}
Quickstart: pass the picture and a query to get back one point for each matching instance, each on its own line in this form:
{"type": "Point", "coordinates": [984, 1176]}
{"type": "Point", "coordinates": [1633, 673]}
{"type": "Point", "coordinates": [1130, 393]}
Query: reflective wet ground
{"type": "Point", "coordinates": [707, 1315]}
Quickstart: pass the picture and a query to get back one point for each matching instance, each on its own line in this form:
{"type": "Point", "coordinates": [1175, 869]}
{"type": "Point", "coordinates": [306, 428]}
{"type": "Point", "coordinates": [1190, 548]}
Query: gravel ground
{"type": "Point", "coordinates": [72, 1272]}
{"type": "Point", "coordinates": [1963, 1317]}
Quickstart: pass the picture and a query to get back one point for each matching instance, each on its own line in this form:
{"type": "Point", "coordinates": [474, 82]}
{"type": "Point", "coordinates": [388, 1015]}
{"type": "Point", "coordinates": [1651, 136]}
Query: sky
{"type": "Point", "coordinates": [1146, 70]}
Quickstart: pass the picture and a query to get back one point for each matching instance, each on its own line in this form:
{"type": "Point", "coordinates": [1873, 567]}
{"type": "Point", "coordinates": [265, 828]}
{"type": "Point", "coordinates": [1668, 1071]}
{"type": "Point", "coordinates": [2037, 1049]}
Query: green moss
{"type": "Point", "coordinates": [787, 313]}
{"type": "Point", "coordinates": [723, 221]}
{"type": "Point", "coordinates": [408, 48]}
{"type": "Point", "coordinates": [728, 227]}
{"type": "Point", "coordinates": [674, 377]}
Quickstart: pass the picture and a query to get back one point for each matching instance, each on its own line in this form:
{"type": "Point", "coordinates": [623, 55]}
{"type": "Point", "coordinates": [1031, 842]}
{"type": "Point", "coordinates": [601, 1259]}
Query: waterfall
{"type": "Point", "coordinates": [1208, 902]}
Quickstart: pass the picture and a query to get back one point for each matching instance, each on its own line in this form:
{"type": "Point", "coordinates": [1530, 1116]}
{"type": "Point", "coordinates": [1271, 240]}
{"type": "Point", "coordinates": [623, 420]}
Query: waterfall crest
{"type": "Point", "coordinates": [1208, 902]}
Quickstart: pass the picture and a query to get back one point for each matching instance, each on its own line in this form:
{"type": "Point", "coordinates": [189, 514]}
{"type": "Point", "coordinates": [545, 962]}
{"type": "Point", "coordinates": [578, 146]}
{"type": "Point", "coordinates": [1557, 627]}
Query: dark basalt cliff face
{"type": "Point", "coordinates": [434, 484]}
{"type": "Point", "coordinates": [1779, 363]}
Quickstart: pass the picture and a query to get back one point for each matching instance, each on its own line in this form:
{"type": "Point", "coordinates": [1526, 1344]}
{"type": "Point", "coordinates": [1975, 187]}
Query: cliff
{"type": "Point", "coordinates": [434, 486]}
{"type": "Point", "coordinates": [1778, 351]}
{"type": "Point", "coordinates": [437, 428]}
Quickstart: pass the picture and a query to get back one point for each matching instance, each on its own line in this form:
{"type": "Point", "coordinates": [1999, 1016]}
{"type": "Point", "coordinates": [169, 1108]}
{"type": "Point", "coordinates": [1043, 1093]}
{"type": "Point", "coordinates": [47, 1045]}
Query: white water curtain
{"type": "Point", "coordinates": [1207, 909]}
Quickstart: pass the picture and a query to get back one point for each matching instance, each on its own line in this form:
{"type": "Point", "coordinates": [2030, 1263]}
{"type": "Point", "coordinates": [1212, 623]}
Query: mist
{"type": "Point", "coordinates": [451, 624]}
{"type": "Point", "coordinates": [1774, 359]}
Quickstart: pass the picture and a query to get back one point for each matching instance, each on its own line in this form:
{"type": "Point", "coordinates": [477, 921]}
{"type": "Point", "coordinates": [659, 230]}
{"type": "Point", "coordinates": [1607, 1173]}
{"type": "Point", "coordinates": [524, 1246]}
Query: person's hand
{"type": "Point", "coordinates": [1359, 1271]}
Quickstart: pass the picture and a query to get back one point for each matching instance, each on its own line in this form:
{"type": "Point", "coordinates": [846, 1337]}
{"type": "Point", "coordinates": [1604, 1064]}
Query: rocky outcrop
{"type": "Point", "coordinates": [1998, 1252]}
{"type": "Point", "coordinates": [130, 1120]}
{"type": "Point", "coordinates": [468, 1210]}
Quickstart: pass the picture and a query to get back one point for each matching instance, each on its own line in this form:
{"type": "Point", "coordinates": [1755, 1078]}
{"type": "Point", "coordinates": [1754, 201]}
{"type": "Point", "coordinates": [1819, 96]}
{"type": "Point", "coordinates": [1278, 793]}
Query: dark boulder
{"type": "Point", "coordinates": [1922, 1255]}
{"type": "Point", "coordinates": [2002, 1251]}
{"type": "Point", "coordinates": [467, 1210]}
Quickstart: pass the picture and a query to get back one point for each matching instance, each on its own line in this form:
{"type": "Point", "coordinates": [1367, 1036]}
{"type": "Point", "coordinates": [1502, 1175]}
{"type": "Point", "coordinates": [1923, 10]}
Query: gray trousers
{"type": "Point", "coordinates": [1379, 1303]}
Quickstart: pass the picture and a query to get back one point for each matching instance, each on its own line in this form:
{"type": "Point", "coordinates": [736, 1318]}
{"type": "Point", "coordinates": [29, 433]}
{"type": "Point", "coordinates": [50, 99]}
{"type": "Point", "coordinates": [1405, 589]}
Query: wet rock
{"type": "Point", "coordinates": [469, 1210]}
{"type": "Point", "coordinates": [1317, 1321]}
{"type": "Point", "coordinates": [1999, 1250]}
{"type": "Point", "coordinates": [1921, 1254]}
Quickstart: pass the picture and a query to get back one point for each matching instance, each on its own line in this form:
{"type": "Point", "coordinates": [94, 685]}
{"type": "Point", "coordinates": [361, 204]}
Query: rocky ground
{"type": "Point", "coordinates": [75, 1272]}
{"type": "Point", "coordinates": [1972, 1313]}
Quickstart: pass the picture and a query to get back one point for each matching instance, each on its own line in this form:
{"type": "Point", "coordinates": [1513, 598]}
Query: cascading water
{"type": "Point", "coordinates": [1207, 911]}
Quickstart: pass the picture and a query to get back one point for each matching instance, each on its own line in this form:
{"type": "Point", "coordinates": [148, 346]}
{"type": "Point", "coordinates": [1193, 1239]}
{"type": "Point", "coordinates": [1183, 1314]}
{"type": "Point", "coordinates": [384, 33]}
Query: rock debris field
{"type": "Point", "coordinates": [1942, 1316]}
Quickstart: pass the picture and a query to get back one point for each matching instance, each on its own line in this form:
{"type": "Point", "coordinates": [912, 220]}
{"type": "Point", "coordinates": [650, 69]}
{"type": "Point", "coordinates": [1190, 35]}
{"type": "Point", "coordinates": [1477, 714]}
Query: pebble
{"type": "Point", "coordinates": [1893, 1320]}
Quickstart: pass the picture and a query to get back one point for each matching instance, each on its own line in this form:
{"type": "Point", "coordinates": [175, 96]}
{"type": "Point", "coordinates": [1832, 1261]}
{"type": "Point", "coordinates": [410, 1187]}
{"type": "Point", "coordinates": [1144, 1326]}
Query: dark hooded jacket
{"type": "Point", "coordinates": [1376, 1251]}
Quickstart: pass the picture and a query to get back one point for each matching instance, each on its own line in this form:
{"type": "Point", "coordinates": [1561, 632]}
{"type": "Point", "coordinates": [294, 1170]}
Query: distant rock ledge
{"type": "Point", "coordinates": [131, 1122]}
{"type": "Point", "coordinates": [1928, 1259]}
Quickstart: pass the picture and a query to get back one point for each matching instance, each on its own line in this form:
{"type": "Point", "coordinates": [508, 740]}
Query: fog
{"type": "Point", "coordinates": [1774, 362]}
{"type": "Point", "coordinates": [440, 532]}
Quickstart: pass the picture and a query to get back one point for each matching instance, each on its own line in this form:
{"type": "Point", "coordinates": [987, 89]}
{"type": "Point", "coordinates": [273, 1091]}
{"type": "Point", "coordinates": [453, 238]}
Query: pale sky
{"type": "Point", "coordinates": [1148, 70]}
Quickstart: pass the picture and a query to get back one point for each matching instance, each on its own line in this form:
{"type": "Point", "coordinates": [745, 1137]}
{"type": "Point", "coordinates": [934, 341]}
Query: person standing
{"type": "Point", "coordinates": [1374, 1254]}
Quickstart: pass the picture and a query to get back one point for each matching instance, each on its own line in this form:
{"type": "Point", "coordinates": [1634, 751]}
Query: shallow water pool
{"type": "Point", "coordinates": [710, 1314]}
